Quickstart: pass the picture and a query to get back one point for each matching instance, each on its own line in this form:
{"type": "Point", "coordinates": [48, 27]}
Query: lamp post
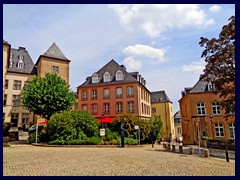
{"type": "Point", "coordinates": [211, 116]}
{"type": "Point", "coordinates": [122, 133]}
{"type": "Point", "coordinates": [36, 130]}
{"type": "Point", "coordinates": [102, 118]}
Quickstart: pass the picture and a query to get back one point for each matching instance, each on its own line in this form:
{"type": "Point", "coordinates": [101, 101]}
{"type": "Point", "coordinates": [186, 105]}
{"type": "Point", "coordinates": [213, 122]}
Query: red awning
{"type": "Point", "coordinates": [43, 123]}
{"type": "Point", "coordinates": [105, 120]}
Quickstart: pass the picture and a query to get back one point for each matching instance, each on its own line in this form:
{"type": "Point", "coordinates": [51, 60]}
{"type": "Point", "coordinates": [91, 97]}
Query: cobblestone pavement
{"type": "Point", "coordinates": [28, 160]}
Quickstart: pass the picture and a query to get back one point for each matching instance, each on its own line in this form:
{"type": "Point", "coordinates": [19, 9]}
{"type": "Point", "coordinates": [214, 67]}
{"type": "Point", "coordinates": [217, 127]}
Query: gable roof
{"type": "Point", "coordinates": [177, 115]}
{"type": "Point", "coordinates": [159, 96]}
{"type": "Point", "coordinates": [112, 67]}
{"type": "Point", "coordinates": [28, 67]}
{"type": "Point", "coordinates": [55, 52]}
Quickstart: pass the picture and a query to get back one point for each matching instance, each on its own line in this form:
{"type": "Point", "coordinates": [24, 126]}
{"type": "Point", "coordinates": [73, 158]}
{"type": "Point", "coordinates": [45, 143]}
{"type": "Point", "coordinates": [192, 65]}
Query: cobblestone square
{"type": "Point", "coordinates": [28, 160]}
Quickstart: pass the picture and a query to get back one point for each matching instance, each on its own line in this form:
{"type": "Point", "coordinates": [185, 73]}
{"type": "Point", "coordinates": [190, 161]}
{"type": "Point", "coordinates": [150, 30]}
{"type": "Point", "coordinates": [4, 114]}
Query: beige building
{"type": "Point", "coordinates": [162, 106]}
{"type": "Point", "coordinates": [177, 124]}
{"type": "Point", "coordinates": [6, 55]}
{"type": "Point", "coordinates": [19, 71]}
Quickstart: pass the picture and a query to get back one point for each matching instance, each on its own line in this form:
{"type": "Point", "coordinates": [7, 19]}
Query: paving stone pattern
{"type": "Point", "coordinates": [28, 160]}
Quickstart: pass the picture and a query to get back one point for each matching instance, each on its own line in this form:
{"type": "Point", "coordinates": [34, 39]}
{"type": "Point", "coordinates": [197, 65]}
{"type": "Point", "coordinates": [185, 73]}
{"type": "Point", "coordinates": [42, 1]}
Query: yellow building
{"type": "Point", "coordinates": [162, 106]}
{"type": "Point", "coordinates": [201, 114]}
{"type": "Point", "coordinates": [177, 125]}
{"type": "Point", "coordinates": [19, 71]}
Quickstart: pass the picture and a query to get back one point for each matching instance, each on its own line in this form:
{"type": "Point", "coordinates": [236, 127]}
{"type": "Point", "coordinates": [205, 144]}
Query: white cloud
{"type": "Point", "coordinates": [139, 50]}
{"type": "Point", "coordinates": [132, 64]}
{"type": "Point", "coordinates": [215, 8]}
{"type": "Point", "coordinates": [154, 19]}
{"type": "Point", "coordinates": [195, 67]}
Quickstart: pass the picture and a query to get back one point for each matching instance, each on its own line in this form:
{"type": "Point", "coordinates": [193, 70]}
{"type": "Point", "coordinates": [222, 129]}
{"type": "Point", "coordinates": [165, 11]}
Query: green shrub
{"type": "Point", "coordinates": [57, 142]}
{"type": "Point", "coordinates": [6, 127]}
{"type": "Point", "coordinates": [70, 125]}
{"type": "Point", "coordinates": [32, 137]}
{"type": "Point", "coordinates": [115, 142]}
{"type": "Point", "coordinates": [130, 141]}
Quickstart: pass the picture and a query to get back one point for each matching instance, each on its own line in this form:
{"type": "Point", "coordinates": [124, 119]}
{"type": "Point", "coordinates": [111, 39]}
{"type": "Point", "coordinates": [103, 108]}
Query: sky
{"type": "Point", "coordinates": [160, 41]}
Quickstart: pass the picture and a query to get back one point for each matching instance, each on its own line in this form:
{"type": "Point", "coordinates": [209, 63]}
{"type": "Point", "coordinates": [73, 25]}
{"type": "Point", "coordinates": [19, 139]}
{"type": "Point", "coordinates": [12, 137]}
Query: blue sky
{"type": "Point", "coordinates": [160, 41]}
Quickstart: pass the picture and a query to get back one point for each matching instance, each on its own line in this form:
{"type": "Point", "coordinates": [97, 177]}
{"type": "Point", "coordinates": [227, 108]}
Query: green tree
{"type": "Point", "coordinates": [219, 54]}
{"type": "Point", "coordinates": [47, 95]}
{"type": "Point", "coordinates": [156, 128]}
{"type": "Point", "coordinates": [72, 125]}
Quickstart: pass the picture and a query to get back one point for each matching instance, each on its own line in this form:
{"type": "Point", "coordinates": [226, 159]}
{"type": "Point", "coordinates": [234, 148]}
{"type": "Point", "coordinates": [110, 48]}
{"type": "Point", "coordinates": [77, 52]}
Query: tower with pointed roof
{"type": "Point", "coordinates": [53, 61]}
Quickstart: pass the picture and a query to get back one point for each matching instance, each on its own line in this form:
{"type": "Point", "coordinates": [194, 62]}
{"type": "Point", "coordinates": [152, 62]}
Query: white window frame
{"type": "Point", "coordinates": [216, 109]}
{"type": "Point", "coordinates": [17, 85]}
{"type": "Point", "coordinates": [106, 108]}
{"type": "Point", "coordinates": [201, 110]}
{"type": "Point", "coordinates": [84, 95]}
{"type": "Point", "coordinates": [16, 100]}
{"type": "Point", "coordinates": [219, 129]}
{"type": "Point", "coordinates": [119, 107]}
{"type": "Point", "coordinates": [106, 93]}
{"type": "Point", "coordinates": [119, 92]}
{"type": "Point", "coordinates": [106, 77]}
{"type": "Point", "coordinates": [25, 118]}
{"type": "Point", "coordinates": [95, 78]}
{"type": "Point", "coordinates": [94, 108]}
{"type": "Point", "coordinates": [94, 94]}
{"type": "Point", "coordinates": [84, 107]}
{"type": "Point", "coordinates": [55, 69]}
{"type": "Point", "coordinates": [130, 106]}
{"type": "Point", "coordinates": [231, 127]}
{"type": "Point", "coordinates": [119, 75]}
{"type": "Point", "coordinates": [130, 91]}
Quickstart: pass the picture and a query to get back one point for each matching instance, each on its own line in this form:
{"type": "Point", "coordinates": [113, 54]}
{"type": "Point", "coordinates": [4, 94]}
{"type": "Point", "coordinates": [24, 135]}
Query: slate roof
{"type": "Point", "coordinates": [177, 115]}
{"type": "Point", "coordinates": [200, 86]}
{"type": "Point", "coordinates": [5, 42]}
{"type": "Point", "coordinates": [55, 52]}
{"type": "Point", "coordinates": [27, 60]}
{"type": "Point", "coordinates": [159, 96]}
{"type": "Point", "coordinates": [112, 67]}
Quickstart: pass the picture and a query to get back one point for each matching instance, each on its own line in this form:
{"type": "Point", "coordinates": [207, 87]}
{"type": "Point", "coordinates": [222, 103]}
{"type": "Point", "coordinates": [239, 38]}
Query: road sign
{"type": "Point", "coordinates": [102, 132]}
{"type": "Point", "coordinates": [136, 127]}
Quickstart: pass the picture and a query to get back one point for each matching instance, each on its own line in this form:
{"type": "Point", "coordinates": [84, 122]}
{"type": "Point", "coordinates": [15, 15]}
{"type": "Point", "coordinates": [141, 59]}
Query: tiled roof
{"type": "Point", "coordinates": [27, 60]}
{"type": "Point", "coordinates": [111, 67]}
{"type": "Point", "coordinates": [159, 96]}
{"type": "Point", "coordinates": [55, 52]}
{"type": "Point", "coordinates": [177, 115]}
{"type": "Point", "coordinates": [200, 86]}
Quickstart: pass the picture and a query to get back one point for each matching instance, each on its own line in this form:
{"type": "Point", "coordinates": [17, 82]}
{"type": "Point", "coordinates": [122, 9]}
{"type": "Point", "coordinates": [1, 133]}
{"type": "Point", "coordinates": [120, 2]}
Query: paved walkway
{"type": "Point", "coordinates": [28, 160]}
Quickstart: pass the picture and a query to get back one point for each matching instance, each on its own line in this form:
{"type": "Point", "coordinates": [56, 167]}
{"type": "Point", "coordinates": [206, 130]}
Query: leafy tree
{"type": "Point", "coordinates": [72, 125]}
{"type": "Point", "coordinates": [47, 95]}
{"type": "Point", "coordinates": [219, 54]}
{"type": "Point", "coordinates": [156, 128]}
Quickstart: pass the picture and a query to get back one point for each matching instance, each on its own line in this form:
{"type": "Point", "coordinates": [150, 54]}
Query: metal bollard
{"type": "Point", "coordinates": [206, 153]}
{"type": "Point", "coordinates": [180, 149]}
{"type": "Point", "coordinates": [191, 150]}
{"type": "Point", "coordinates": [227, 158]}
{"type": "Point", "coordinates": [168, 146]}
{"type": "Point", "coordinates": [164, 145]}
{"type": "Point", "coordinates": [173, 148]}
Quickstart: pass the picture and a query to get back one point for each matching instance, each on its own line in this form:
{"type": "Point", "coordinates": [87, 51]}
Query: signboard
{"type": "Point", "coordinates": [102, 132]}
{"type": "Point", "coordinates": [136, 127]}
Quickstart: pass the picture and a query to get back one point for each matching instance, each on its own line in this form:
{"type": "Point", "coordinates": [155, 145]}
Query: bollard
{"type": "Point", "coordinates": [168, 146]}
{"type": "Point", "coordinates": [173, 148]}
{"type": "Point", "coordinates": [191, 150]}
{"type": "Point", "coordinates": [164, 145]}
{"type": "Point", "coordinates": [180, 149]}
{"type": "Point", "coordinates": [227, 158]}
{"type": "Point", "coordinates": [206, 153]}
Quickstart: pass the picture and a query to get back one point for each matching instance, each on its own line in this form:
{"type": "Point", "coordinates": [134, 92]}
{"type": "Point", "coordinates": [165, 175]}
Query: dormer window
{"type": "Point", "coordinates": [95, 78]}
{"type": "Point", "coordinates": [10, 61]}
{"type": "Point", "coordinates": [211, 86]}
{"type": "Point", "coordinates": [119, 75]}
{"type": "Point", "coordinates": [20, 57]}
{"type": "Point", "coordinates": [106, 77]}
{"type": "Point", "coordinates": [20, 63]}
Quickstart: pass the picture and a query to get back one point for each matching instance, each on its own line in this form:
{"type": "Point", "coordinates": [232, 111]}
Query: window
{"type": "Point", "coordinates": [119, 92]}
{"type": "Point", "coordinates": [14, 119]}
{"type": "Point", "coordinates": [106, 93]}
{"type": "Point", "coordinates": [25, 84]}
{"type": "Point", "coordinates": [232, 130]}
{"type": "Point", "coordinates": [177, 121]}
{"type": "Point", "coordinates": [179, 130]}
{"type": "Point", "coordinates": [119, 75]}
{"type": "Point", "coordinates": [6, 84]}
{"type": "Point", "coordinates": [84, 95]}
{"type": "Point", "coordinates": [84, 107]}
{"type": "Point", "coordinates": [25, 118]}
{"type": "Point", "coordinates": [119, 107]}
{"type": "Point", "coordinates": [5, 100]}
{"type": "Point", "coordinates": [17, 85]}
{"type": "Point", "coordinates": [130, 91]}
{"type": "Point", "coordinates": [216, 108]}
{"type": "Point", "coordinates": [106, 108]}
{"type": "Point", "coordinates": [20, 64]}
{"type": "Point", "coordinates": [106, 77]}
{"type": "Point", "coordinates": [10, 61]}
{"type": "Point", "coordinates": [94, 94]}
{"type": "Point", "coordinates": [200, 109]}
{"type": "Point", "coordinates": [154, 110]}
{"type": "Point", "coordinates": [130, 107]}
{"type": "Point", "coordinates": [55, 69]}
{"type": "Point", "coordinates": [219, 130]}
{"type": "Point", "coordinates": [94, 108]}
{"type": "Point", "coordinates": [95, 78]}
{"type": "Point", "coordinates": [16, 101]}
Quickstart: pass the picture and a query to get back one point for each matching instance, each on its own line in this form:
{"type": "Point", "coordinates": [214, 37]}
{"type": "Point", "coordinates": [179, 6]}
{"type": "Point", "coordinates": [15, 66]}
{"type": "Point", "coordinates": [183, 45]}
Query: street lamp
{"type": "Point", "coordinates": [211, 116]}
{"type": "Point", "coordinates": [122, 133]}
{"type": "Point", "coordinates": [102, 118]}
